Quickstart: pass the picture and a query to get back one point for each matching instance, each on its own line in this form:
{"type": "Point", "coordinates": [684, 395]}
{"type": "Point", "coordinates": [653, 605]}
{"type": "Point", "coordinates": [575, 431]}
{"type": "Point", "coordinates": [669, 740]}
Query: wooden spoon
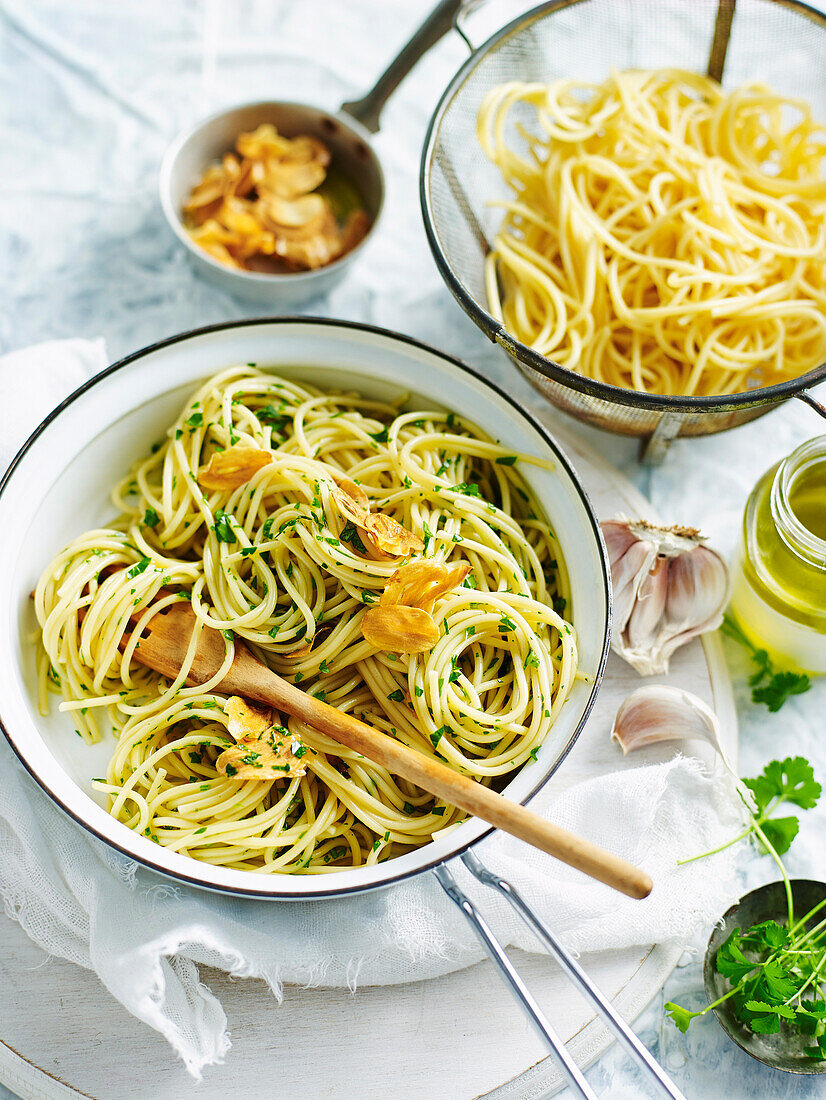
{"type": "Point", "coordinates": [163, 647]}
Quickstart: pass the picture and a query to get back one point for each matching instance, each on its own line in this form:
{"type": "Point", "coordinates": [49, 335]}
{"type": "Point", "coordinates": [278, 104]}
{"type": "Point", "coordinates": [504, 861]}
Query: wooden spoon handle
{"type": "Point", "coordinates": [254, 681]}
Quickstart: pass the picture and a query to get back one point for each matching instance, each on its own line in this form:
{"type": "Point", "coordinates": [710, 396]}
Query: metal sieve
{"type": "Point", "coordinates": [782, 42]}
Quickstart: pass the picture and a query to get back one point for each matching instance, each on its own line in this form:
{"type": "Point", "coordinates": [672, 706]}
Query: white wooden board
{"type": "Point", "coordinates": [61, 1034]}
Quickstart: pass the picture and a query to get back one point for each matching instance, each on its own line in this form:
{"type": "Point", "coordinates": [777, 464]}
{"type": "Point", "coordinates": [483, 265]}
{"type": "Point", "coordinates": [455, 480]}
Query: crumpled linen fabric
{"type": "Point", "coordinates": [145, 936]}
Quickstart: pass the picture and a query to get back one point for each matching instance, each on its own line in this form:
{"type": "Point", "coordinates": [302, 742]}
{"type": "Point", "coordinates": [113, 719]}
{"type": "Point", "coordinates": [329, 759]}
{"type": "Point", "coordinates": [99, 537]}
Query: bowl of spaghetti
{"type": "Point", "coordinates": [230, 483]}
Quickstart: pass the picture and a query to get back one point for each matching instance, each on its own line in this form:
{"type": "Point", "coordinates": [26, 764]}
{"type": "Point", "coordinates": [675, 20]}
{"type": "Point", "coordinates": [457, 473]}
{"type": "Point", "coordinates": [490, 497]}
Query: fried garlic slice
{"type": "Point", "coordinates": [421, 583]}
{"type": "Point", "coordinates": [352, 505]}
{"type": "Point", "coordinates": [246, 719]}
{"type": "Point", "coordinates": [399, 629]}
{"type": "Point", "coordinates": [388, 535]}
{"type": "Point", "coordinates": [289, 179]}
{"type": "Point", "coordinates": [383, 532]}
{"type": "Point", "coordinates": [263, 751]}
{"type": "Point", "coordinates": [233, 467]}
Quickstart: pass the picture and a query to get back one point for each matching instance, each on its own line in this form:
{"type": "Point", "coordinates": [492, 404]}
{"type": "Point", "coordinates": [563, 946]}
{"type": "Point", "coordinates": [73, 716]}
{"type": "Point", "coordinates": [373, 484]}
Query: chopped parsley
{"type": "Point", "coordinates": [467, 488]}
{"type": "Point", "coordinates": [350, 534]}
{"type": "Point", "coordinates": [223, 527]}
{"type": "Point", "coordinates": [139, 567]}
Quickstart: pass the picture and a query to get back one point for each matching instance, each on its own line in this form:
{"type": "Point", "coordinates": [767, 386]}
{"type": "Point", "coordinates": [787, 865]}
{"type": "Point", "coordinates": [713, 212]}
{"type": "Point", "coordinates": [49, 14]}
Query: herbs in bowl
{"type": "Point", "coordinates": [765, 976]}
{"type": "Point", "coordinates": [765, 966]}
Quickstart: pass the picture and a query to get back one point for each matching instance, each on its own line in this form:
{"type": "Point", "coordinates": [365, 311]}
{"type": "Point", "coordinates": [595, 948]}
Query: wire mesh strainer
{"type": "Point", "coordinates": [780, 42]}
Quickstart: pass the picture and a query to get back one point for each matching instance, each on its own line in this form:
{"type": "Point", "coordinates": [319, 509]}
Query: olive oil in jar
{"type": "Point", "coordinates": [779, 579]}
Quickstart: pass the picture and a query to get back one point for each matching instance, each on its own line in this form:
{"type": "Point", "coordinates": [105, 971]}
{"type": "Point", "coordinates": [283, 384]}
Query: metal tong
{"type": "Point", "coordinates": [570, 1070]}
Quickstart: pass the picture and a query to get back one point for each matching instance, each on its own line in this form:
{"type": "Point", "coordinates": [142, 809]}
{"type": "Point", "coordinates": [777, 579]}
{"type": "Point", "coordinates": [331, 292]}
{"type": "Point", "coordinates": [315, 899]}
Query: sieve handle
{"type": "Point", "coordinates": [368, 109]}
{"type": "Point", "coordinates": [812, 402]}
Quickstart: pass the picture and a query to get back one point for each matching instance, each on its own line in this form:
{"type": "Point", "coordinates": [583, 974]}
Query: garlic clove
{"type": "Point", "coordinates": [618, 537]}
{"type": "Point", "coordinates": [668, 588]}
{"type": "Point", "coordinates": [697, 590]}
{"type": "Point", "coordinates": [627, 572]}
{"type": "Point", "coordinates": [649, 607]}
{"type": "Point", "coordinates": [658, 712]}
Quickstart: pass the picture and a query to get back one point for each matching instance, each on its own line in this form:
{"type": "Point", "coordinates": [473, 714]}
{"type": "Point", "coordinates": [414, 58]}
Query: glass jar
{"type": "Point", "coordinates": [779, 576]}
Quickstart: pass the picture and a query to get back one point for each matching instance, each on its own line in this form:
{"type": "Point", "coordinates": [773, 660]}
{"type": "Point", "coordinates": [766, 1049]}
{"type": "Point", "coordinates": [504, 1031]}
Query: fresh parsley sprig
{"type": "Point", "coordinates": [768, 685]}
{"type": "Point", "coordinates": [769, 966]}
{"type": "Point", "coordinates": [790, 781]}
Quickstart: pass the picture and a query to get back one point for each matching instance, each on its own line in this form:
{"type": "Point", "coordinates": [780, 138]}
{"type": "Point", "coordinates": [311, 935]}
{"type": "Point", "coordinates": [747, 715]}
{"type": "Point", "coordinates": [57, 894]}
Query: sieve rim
{"type": "Point", "coordinates": [496, 331]}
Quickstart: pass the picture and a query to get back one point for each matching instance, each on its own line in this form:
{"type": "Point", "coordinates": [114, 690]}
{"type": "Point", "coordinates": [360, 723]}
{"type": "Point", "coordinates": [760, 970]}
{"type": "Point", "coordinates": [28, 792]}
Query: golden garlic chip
{"type": "Point", "coordinates": [421, 583]}
{"type": "Point", "coordinates": [233, 467]}
{"type": "Point", "coordinates": [350, 506]}
{"type": "Point", "coordinates": [246, 719]}
{"type": "Point", "coordinates": [271, 756]}
{"type": "Point", "coordinates": [260, 208]}
{"type": "Point", "coordinates": [388, 535]}
{"type": "Point", "coordinates": [399, 629]}
{"type": "Point", "coordinates": [264, 751]}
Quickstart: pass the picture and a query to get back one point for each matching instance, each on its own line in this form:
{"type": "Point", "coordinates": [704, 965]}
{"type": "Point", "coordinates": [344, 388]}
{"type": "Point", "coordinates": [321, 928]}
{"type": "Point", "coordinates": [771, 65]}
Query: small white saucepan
{"type": "Point", "coordinates": [59, 484]}
{"type": "Point", "coordinates": [347, 136]}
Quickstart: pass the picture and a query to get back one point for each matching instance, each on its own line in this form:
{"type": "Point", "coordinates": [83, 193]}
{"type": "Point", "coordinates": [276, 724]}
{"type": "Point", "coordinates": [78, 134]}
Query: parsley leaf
{"type": "Point", "coordinates": [223, 527]}
{"type": "Point", "coordinates": [779, 688]}
{"type": "Point", "coordinates": [781, 832]}
{"type": "Point", "coordinates": [764, 1019]}
{"type": "Point", "coordinates": [781, 781]}
{"type": "Point", "coordinates": [151, 518]}
{"type": "Point", "coordinates": [770, 687]}
{"type": "Point", "coordinates": [681, 1016]}
{"type": "Point", "coordinates": [467, 488]}
{"type": "Point", "coordinates": [273, 416]}
{"type": "Point", "coordinates": [789, 780]}
{"type": "Point", "coordinates": [137, 568]}
{"type": "Point", "coordinates": [349, 533]}
{"type": "Point", "coordinates": [731, 962]}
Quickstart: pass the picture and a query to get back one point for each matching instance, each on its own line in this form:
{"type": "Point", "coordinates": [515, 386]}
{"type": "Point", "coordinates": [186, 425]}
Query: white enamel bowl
{"type": "Point", "coordinates": [59, 484]}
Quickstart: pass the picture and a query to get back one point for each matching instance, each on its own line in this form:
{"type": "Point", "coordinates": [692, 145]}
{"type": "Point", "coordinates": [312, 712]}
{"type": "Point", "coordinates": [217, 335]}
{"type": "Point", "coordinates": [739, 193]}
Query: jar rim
{"type": "Point", "coordinates": [798, 538]}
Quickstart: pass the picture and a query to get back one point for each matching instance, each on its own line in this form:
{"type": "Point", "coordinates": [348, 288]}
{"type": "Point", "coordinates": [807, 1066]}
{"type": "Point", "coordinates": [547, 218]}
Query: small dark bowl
{"type": "Point", "coordinates": [783, 1050]}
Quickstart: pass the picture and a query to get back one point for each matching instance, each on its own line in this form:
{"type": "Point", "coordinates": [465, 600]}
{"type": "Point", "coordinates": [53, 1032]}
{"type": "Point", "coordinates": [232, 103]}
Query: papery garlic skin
{"type": "Point", "coordinates": [669, 587]}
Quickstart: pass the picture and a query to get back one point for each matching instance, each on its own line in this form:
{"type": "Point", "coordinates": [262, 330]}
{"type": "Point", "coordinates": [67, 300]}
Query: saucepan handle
{"type": "Point", "coordinates": [570, 1071]}
{"type": "Point", "coordinates": [368, 109]}
{"type": "Point", "coordinates": [812, 402]}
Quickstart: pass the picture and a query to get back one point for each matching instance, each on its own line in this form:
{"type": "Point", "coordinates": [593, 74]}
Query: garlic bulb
{"type": "Point", "coordinates": [668, 588]}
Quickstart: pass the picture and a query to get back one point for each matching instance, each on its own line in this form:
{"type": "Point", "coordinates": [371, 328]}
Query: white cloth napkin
{"type": "Point", "coordinates": [145, 936]}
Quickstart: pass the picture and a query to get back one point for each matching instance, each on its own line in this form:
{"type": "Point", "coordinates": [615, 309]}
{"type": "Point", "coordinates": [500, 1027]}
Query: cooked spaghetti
{"type": "Point", "coordinates": [316, 528]}
{"type": "Point", "coordinates": [665, 236]}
